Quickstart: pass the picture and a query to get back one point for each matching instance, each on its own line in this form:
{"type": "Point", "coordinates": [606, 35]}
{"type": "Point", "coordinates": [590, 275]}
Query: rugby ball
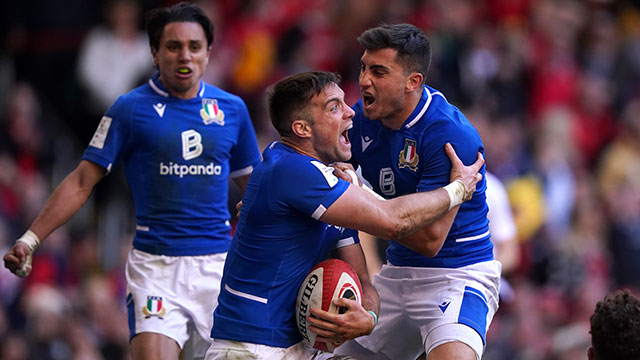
{"type": "Point", "coordinates": [330, 279]}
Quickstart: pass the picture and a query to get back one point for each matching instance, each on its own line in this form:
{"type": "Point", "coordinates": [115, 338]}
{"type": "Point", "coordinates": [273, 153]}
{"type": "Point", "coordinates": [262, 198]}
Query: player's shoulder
{"type": "Point", "coordinates": [289, 164]}
{"type": "Point", "coordinates": [212, 91]}
{"type": "Point", "coordinates": [443, 117]}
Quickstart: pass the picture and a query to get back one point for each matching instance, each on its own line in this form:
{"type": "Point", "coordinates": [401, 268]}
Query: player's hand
{"type": "Point", "coordinates": [18, 259]}
{"type": "Point", "coordinates": [344, 171]}
{"type": "Point", "coordinates": [338, 328]}
{"type": "Point", "coordinates": [467, 174]}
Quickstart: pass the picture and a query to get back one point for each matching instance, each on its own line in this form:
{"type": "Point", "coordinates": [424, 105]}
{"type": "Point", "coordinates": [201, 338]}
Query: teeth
{"type": "Point", "coordinates": [350, 126]}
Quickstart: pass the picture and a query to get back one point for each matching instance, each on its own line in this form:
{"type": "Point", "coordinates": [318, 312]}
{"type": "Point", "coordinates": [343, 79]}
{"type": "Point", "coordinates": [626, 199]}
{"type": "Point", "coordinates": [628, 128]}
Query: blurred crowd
{"type": "Point", "coordinates": [553, 87]}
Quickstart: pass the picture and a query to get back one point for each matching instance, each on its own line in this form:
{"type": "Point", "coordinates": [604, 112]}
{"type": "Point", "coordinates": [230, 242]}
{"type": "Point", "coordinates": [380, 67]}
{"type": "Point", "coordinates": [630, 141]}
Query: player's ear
{"type": "Point", "coordinates": [301, 128]}
{"type": "Point", "coordinates": [154, 53]}
{"type": "Point", "coordinates": [414, 81]}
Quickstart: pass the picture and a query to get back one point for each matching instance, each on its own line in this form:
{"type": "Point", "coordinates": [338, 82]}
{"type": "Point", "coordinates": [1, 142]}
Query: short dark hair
{"type": "Point", "coordinates": [412, 45]}
{"type": "Point", "coordinates": [615, 327]}
{"type": "Point", "coordinates": [290, 97]}
{"type": "Point", "coordinates": [157, 19]}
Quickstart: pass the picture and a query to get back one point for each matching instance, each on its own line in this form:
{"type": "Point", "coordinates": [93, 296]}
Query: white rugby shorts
{"type": "Point", "coordinates": [172, 295]}
{"type": "Point", "coordinates": [226, 349]}
{"type": "Point", "coordinates": [422, 308]}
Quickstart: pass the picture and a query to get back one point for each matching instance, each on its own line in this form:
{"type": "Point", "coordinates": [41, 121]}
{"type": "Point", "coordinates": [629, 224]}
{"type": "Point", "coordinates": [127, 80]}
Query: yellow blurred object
{"type": "Point", "coordinates": [256, 61]}
{"type": "Point", "coordinates": [527, 200]}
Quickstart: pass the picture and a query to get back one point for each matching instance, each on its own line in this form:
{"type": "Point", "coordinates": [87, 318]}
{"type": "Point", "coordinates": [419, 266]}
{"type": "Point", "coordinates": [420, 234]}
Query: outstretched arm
{"type": "Point", "coordinates": [65, 201]}
{"type": "Point", "coordinates": [399, 217]}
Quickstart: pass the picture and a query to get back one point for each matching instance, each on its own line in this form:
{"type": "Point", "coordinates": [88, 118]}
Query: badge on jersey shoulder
{"type": "Point", "coordinates": [154, 307]}
{"type": "Point", "coordinates": [408, 156]}
{"type": "Point", "coordinates": [210, 112]}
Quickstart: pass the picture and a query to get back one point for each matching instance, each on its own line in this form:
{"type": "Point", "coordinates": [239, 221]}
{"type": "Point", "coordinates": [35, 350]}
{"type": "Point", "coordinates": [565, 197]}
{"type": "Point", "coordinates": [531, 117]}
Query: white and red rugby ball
{"type": "Point", "coordinates": [330, 279]}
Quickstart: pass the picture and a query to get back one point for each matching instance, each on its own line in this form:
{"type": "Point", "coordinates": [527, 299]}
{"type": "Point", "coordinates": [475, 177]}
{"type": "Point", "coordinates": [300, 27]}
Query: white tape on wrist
{"type": "Point", "coordinates": [31, 240]}
{"type": "Point", "coordinates": [456, 193]}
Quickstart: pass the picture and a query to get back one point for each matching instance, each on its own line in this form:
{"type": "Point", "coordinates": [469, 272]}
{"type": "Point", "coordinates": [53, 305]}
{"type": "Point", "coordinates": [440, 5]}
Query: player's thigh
{"type": "Point", "coordinates": [394, 336]}
{"type": "Point", "coordinates": [200, 297]}
{"type": "Point", "coordinates": [461, 305]}
{"type": "Point", "coordinates": [154, 346]}
{"type": "Point", "coordinates": [173, 295]}
{"type": "Point", "coordinates": [453, 350]}
{"type": "Point", "coordinates": [230, 350]}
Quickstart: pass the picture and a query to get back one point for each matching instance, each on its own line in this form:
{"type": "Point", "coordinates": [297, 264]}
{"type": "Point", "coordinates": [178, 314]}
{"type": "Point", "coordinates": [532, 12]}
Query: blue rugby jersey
{"type": "Point", "coordinates": [412, 159]}
{"type": "Point", "coordinates": [178, 155]}
{"type": "Point", "coordinates": [277, 241]}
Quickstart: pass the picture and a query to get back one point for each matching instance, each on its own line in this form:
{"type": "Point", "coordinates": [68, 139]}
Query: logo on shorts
{"type": "Point", "coordinates": [408, 157]}
{"type": "Point", "coordinates": [210, 112]}
{"type": "Point", "coordinates": [444, 306]}
{"type": "Point", "coordinates": [154, 308]}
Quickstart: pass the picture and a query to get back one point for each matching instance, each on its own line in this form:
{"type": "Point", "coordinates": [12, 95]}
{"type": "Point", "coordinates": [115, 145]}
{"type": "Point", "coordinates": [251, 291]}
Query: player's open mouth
{"type": "Point", "coordinates": [367, 99]}
{"type": "Point", "coordinates": [345, 135]}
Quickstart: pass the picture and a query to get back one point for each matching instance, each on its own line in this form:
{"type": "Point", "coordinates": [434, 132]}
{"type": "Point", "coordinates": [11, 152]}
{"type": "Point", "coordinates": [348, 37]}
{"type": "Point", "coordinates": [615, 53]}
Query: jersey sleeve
{"type": "Point", "coordinates": [306, 185]}
{"type": "Point", "coordinates": [245, 155]}
{"type": "Point", "coordinates": [112, 135]}
{"type": "Point", "coordinates": [345, 236]}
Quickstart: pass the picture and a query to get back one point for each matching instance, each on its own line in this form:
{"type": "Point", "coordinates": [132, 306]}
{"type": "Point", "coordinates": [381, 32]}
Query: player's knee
{"type": "Point", "coordinates": [452, 350]}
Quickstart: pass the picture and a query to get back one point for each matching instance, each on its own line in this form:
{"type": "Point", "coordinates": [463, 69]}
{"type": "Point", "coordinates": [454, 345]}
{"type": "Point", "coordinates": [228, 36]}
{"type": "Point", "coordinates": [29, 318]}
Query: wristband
{"type": "Point", "coordinates": [375, 317]}
{"type": "Point", "coordinates": [456, 193]}
{"type": "Point", "coordinates": [30, 239]}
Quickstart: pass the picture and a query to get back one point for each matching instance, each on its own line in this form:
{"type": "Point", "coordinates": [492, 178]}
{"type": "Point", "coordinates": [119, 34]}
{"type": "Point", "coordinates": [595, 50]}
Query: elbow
{"type": "Point", "coordinates": [431, 249]}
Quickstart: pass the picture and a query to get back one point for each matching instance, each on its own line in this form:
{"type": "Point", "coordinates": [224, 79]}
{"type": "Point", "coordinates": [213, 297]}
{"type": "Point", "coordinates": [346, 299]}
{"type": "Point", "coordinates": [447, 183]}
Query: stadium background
{"type": "Point", "coordinates": [553, 86]}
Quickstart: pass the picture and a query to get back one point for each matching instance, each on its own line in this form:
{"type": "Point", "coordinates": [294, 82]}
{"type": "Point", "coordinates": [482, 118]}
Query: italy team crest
{"type": "Point", "coordinates": [210, 112]}
{"type": "Point", "coordinates": [154, 307]}
{"type": "Point", "coordinates": [408, 156]}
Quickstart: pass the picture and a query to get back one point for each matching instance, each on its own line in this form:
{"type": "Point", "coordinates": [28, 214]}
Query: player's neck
{"type": "Point", "coordinates": [398, 118]}
{"type": "Point", "coordinates": [299, 148]}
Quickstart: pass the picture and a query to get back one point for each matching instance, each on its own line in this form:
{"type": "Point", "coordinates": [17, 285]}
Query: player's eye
{"type": "Point", "coordinates": [196, 47]}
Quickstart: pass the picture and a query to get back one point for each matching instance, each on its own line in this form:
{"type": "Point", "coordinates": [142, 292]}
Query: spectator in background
{"type": "Point", "coordinates": [114, 57]}
{"type": "Point", "coordinates": [619, 186]}
{"type": "Point", "coordinates": [615, 328]}
{"type": "Point", "coordinates": [503, 231]}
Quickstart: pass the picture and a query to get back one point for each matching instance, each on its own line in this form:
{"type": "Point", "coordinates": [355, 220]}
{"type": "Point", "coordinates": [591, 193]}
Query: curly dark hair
{"type": "Point", "coordinates": [615, 327]}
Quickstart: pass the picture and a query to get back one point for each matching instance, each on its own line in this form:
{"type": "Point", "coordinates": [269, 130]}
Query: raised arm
{"type": "Point", "coordinates": [65, 201]}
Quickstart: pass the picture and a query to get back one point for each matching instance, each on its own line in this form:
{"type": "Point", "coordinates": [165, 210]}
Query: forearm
{"type": "Point", "coordinates": [429, 240]}
{"type": "Point", "coordinates": [70, 195]}
{"type": "Point", "coordinates": [415, 211]}
{"type": "Point", "coordinates": [59, 208]}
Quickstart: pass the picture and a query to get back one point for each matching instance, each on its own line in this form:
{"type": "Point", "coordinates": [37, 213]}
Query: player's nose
{"type": "Point", "coordinates": [364, 79]}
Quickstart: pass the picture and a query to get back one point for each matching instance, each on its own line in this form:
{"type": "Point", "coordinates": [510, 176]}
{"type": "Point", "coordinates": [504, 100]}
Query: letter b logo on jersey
{"type": "Point", "coordinates": [191, 144]}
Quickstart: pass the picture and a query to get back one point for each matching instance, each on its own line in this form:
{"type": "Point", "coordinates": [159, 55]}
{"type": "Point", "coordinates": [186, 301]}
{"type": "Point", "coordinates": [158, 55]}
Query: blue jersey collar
{"type": "Point", "coordinates": [157, 86]}
{"type": "Point", "coordinates": [421, 108]}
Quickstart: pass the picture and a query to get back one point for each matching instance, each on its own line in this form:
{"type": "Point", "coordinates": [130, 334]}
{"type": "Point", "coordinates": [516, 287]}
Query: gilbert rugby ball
{"type": "Point", "coordinates": [330, 279]}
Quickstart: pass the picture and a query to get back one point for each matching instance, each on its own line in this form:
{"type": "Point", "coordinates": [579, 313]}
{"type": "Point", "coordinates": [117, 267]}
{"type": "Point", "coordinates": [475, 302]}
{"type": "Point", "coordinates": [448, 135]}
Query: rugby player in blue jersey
{"type": "Point", "coordinates": [283, 229]}
{"type": "Point", "coordinates": [439, 287]}
{"type": "Point", "coordinates": [179, 140]}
